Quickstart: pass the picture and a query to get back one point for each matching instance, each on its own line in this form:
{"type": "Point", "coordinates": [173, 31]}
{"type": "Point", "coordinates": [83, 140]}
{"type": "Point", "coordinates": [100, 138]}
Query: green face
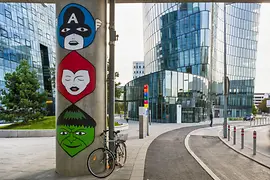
{"type": "Point", "coordinates": [74, 139]}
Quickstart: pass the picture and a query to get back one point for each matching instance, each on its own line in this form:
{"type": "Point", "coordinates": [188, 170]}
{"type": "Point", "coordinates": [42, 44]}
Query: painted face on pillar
{"type": "Point", "coordinates": [75, 83]}
{"type": "Point", "coordinates": [74, 30]}
{"type": "Point", "coordinates": [75, 130]}
{"type": "Point", "coordinates": [76, 27]}
{"type": "Point", "coordinates": [76, 77]}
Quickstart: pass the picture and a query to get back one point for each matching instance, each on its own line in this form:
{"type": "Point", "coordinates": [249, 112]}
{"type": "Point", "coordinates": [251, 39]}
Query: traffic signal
{"type": "Point", "coordinates": [145, 95]}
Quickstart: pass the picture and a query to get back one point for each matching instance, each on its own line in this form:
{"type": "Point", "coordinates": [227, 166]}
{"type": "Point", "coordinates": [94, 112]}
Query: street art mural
{"type": "Point", "coordinates": [75, 80]}
{"type": "Point", "coordinates": [76, 77]}
{"type": "Point", "coordinates": [76, 27]}
{"type": "Point", "coordinates": [75, 130]}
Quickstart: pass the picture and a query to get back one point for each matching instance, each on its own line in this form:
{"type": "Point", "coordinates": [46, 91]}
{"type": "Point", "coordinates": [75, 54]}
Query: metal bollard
{"type": "Point", "coordinates": [229, 133]}
{"type": "Point", "coordinates": [254, 142]}
{"type": "Point", "coordinates": [242, 138]}
{"type": "Point", "coordinates": [234, 135]}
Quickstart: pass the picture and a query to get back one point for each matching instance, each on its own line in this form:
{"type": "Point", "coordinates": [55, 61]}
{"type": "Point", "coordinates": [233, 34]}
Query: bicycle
{"type": "Point", "coordinates": [106, 157]}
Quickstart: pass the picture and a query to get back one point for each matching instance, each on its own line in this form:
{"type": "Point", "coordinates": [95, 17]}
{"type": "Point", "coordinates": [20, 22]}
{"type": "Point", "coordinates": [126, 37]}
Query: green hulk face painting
{"type": "Point", "coordinates": [75, 130]}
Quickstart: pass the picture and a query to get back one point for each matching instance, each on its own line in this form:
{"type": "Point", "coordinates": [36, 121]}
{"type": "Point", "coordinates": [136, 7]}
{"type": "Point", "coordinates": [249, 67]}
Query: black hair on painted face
{"type": "Point", "coordinates": [73, 115]}
{"type": "Point", "coordinates": [74, 23]}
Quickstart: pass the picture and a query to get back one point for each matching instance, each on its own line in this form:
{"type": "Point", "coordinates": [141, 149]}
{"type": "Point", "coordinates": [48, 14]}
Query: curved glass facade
{"type": "Point", "coordinates": [177, 37]}
{"type": "Point", "coordinates": [166, 90]}
{"type": "Point", "coordinates": [27, 31]}
{"type": "Point", "coordinates": [189, 38]}
{"type": "Point", "coordinates": [241, 40]}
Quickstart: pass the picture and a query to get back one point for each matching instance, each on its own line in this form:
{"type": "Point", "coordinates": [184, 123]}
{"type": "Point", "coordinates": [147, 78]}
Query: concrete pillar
{"type": "Point", "coordinates": [142, 123]}
{"type": "Point", "coordinates": [81, 78]}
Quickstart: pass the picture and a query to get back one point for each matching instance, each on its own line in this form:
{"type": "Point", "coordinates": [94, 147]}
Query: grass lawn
{"type": "Point", "coordinates": [47, 123]}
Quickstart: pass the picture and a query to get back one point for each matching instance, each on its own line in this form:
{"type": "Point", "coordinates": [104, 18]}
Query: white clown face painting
{"type": "Point", "coordinates": [75, 83]}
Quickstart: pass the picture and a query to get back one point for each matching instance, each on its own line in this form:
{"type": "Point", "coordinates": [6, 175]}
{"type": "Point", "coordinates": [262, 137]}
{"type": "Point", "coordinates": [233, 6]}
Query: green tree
{"type": "Point", "coordinates": [254, 109]}
{"type": "Point", "coordinates": [119, 106]}
{"type": "Point", "coordinates": [118, 90]}
{"type": "Point", "coordinates": [262, 106]}
{"type": "Point", "coordinates": [21, 98]}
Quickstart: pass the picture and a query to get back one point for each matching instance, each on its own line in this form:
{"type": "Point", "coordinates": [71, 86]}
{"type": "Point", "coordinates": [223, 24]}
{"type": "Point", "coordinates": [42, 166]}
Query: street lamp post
{"type": "Point", "coordinates": [225, 79]}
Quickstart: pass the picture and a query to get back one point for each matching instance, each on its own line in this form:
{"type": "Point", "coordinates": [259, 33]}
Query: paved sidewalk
{"type": "Point", "coordinates": [263, 143]}
{"type": "Point", "coordinates": [225, 163]}
{"type": "Point", "coordinates": [34, 158]}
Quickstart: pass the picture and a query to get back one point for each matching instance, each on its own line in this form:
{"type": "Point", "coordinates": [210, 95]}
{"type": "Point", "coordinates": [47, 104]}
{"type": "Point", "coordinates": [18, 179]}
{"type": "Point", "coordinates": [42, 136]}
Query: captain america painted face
{"type": "Point", "coordinates": [74, 30]}
{"type": "Point", "coordinates": [76, 27]}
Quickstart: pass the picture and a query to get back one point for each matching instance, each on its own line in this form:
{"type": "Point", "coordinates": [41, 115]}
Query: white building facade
{"type": "Point", "coordinates": [258, 97]}
{"type": "Point", "coordinates": [138, 69]}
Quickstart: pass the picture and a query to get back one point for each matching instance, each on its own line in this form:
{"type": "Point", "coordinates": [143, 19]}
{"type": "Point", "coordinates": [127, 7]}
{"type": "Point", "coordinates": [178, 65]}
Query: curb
{"type": "Point", "coordinates": [239, 152]}
{"type": "Point", "coordinates": [26, 133]}
{"type": "Point", "coordinates": [206, 168]}
{"type": "Point", "coordinates": [49, 132]}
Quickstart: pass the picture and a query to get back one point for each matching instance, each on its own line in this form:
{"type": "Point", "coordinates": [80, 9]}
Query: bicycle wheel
{"type": "Point", "coordinates": [101, 163]}
{"type": "Point", "coordinates": [121, 153]}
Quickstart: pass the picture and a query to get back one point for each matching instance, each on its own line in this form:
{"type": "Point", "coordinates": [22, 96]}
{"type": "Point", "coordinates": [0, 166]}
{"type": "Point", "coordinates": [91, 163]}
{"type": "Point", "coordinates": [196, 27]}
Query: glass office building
{"type": "Point", "coordinates": [27, 31]}
{"type": "Point", "coordinates": [188, 39]}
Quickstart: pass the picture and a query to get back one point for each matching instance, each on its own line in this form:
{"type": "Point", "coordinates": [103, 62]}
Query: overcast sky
{"type": "Point", "coordinates": [129, 47]}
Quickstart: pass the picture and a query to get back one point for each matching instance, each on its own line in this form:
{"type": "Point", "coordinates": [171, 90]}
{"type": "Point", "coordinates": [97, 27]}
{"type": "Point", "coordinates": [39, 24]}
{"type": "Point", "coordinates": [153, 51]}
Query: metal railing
{"type": "Point", "coordinates": [261, 121]}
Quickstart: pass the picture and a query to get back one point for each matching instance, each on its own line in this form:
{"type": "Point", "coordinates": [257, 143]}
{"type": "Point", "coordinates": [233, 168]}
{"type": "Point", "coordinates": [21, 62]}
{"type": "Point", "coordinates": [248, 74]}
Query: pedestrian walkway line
{"type": "Point", "coordinates": [204, 166]}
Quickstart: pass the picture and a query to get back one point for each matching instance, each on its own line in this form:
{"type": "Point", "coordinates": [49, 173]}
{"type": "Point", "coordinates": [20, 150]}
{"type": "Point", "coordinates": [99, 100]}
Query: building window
{"type": "Point", "coordinates": [12, 57]}
{"type": "Point", "coordinates": [17, 38]}
{"type": "Point", "coordinates": [8, 14]}
{"type": "Point", "coordinates": [4, 33]}
{"type": "Point", "coordinates": [39, 31]}
{"type": "Point", "coordinates": [27, 43]}
{"type": "Point", "coordinates": [42, 17]}
{"type": "Point", "coordinates": [31, 27]}
{"type": "Point", "coordinates": [44, 4]}
{"type": "Point", "coordinates": [23, 5]}
{"type": "Point", "coordinates": [20, 21]}
{"type": "Point", "coordinates": [51, 7]}
{"type": "Point", "coordinates": [1, 54]}
{"type": "Point", "coordinates": [50, 22]}
{"type": "Point", "coordinates": [48, 36]}
{"type": "Point", "coordinates": [33, 11]}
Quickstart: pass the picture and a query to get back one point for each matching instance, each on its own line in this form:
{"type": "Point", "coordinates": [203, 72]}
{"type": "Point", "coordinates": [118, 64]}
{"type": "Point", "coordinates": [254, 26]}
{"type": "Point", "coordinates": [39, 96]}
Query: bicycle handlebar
{"type": "Point", "coordinates": [115, 132]}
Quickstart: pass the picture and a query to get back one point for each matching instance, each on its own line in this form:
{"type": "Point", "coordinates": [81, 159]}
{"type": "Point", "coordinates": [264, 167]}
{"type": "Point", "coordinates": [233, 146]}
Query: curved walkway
{"type": "Point", "coordinates": [224, 162]}
{"type": "Point", "coordinates": [168, 159]}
